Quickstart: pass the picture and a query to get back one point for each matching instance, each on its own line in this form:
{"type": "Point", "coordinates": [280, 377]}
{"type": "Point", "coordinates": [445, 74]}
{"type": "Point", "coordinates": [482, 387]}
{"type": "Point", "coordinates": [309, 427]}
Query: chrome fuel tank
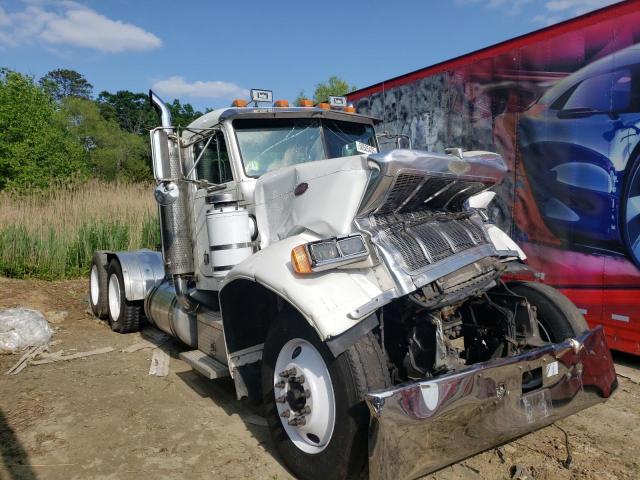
{"type": "Point", "coordinates": [163, 311]}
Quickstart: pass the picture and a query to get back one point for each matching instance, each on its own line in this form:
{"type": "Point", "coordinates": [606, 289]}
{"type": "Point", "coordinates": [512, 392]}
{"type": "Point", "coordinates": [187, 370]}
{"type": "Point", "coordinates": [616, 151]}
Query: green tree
{"type": "Point", "coordinates": [112, 152]}
{"type": "Point", "coordinates": [132, 111]}
{"type": "Point", "coordinates": [36, 150]}
{"type": "Point", "coordinates": [333, 86]}
{"type": "Point", "coordinates": [182, 115]}
{"type": "Point", "coordinates": [62, 83]}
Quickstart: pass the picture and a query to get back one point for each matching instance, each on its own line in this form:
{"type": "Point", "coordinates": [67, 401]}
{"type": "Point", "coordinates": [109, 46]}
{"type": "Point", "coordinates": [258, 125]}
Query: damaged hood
{"type": "Point", "coordinates": [321, 196]}
{"type": "Point", "coordinates": [325, 196]}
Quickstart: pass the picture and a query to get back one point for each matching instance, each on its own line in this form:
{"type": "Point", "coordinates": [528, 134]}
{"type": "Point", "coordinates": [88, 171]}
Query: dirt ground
{"type": "Point", "coordinates": [104, 417]}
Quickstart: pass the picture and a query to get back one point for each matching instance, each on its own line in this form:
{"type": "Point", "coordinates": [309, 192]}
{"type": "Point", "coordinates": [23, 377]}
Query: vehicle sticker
{"type": "Point", "coordinates": [552, 369]}
{"type": "Point", "coordinates": [365, 148]}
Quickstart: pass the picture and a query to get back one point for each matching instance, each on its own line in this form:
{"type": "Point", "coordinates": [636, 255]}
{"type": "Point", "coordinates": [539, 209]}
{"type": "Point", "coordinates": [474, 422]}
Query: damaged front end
{"type": "Point", "coordinates": [417, 428]}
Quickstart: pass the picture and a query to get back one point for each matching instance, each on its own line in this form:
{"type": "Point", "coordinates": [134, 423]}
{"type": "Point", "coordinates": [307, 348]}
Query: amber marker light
{"type": "Point", "coordinates": [350, 109]}
{"type": "Point", "coordinates": [300, 259]}
{"type": "Point", "coordinates": [238, 102]}
{"type": "Point", "coordinates": [305, 102]}
{"type": "Point", "coordinates": [281, 103]}
{"type": "Point", "coordinates": [324, 106]}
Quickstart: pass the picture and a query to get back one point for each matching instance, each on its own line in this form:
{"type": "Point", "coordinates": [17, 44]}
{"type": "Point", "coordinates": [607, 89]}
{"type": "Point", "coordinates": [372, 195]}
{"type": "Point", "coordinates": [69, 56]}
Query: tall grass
{"type": "Point", "coordinates": [53, 235]}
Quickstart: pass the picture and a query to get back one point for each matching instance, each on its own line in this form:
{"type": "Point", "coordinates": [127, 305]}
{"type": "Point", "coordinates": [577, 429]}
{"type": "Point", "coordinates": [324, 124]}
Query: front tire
{"type": "Point", "coordinates": [558, 317]}
{"type": "Point", "coordinates": [316, 414]}
{"type": "Point", "coordinates": [124, 316]}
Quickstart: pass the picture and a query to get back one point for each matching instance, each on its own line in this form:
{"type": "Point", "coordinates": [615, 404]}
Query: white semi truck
{"type": "Point", "coordinates": [360, 295]}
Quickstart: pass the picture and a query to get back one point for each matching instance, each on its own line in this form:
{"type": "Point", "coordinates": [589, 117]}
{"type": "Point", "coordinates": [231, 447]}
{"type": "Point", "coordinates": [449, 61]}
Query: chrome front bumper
{"type": "Point", "coordinates": [420, 427]}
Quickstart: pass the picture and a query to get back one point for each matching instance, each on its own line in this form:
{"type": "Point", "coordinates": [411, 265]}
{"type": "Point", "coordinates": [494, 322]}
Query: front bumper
{"type": "Point", "coordinates": [420, 427]}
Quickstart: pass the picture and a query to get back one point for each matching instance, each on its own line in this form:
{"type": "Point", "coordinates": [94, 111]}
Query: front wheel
{"type": "Point", "coordinates": [558, 317]}
{"type": "Point", "coordinates": [314, 401]}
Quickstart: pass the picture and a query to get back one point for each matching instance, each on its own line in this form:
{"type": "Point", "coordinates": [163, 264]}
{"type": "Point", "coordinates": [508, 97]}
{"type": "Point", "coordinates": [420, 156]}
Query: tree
{"type": "Point", "coordinates": [182, 115]}
{"type": "Point", "coordinates": [333, 86]}
{"type": "Point", "coordinates": [132, 111]}
{"type": "Point", "coordinates": [112, 152]}
{"type": "Point", "coordinates": [62, 83]}
{"type": "Point", "coordinates": [36, 150]}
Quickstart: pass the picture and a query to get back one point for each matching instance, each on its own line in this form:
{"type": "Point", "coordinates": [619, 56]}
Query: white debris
{"type": "Point", "coordinates": [22, 328]}
{"type": "Point", "coordinates": [159, 363]}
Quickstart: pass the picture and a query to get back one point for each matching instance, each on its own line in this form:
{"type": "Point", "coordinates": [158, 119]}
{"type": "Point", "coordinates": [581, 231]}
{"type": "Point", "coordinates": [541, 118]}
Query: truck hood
{"type": "Point", "coordinates": [325, 196]}
{"type": "Point", "coordinates": [321, 197]}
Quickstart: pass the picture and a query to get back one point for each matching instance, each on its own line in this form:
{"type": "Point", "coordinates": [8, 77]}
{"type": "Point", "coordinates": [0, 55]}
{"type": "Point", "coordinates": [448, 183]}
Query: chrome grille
{"type": "Point", "coordinates": [423, 239]}
{"type": "Point", "coordinates": [412, 192]}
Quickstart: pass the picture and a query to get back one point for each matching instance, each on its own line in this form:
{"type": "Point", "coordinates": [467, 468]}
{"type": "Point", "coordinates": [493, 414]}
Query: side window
{"type": "Point", "coordinates": [214, 166]}
{"type": "Point", "coordinates": [608, 92]}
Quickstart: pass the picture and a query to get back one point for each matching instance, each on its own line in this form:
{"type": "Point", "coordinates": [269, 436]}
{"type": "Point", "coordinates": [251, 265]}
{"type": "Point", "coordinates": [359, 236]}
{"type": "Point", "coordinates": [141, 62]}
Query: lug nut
{"type": "Point", "coordinates": [280, 384]}
{"type": "Point", "coordinates": [297, 422]}
{"type": "Point", "coordinates": [286, 414]}
{"type": "Point", "coordinates": [306, 410]}
{"type": "Point", "coordinates": [299, 379]}
{"type": "Point", "coordinates": [281, 399]}
{"type": "Point", "coordinates": [292, 372]}
{"type": "Point", "coordinates": [307, 393]}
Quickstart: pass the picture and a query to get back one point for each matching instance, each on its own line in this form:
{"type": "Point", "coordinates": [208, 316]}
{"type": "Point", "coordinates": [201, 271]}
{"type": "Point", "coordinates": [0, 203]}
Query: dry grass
{"type": "Point", "coordinates": [53, 235]}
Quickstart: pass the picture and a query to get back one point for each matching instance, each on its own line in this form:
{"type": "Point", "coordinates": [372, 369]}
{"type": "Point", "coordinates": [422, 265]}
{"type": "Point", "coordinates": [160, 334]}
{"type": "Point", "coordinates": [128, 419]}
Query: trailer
{"type": "Point", "coordinates": [358, 294]}
{"type": "Point", "coordinates": [562, 107]}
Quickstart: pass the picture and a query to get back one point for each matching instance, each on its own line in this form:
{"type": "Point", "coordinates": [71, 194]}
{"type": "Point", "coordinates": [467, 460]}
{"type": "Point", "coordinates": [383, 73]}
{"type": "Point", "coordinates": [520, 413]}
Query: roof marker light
{"type": "Point", "coordinates": [350, 109]}
{"type": "Point", "coordinates": [305, 102]}
{"type": "Point", "coordinates": [239, 102]}
{"type": "Point", "coordinates": [324, 106]}
{"type": "Point", "coordinates": [281, 103]}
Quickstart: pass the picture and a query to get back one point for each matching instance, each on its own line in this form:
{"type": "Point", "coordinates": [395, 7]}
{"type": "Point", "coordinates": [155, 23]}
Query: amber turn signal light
{"type": "Point", "coordinates": [300, 260]}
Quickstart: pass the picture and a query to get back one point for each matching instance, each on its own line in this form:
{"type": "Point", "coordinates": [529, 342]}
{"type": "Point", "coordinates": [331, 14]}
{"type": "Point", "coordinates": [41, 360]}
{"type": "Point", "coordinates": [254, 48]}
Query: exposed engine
{"type": "Point", "coordinates": [431, 332]}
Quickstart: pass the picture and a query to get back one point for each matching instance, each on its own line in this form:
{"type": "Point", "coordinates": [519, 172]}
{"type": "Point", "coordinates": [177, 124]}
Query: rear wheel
{"type": "Point", "coordinates": [98, 285]}
{"type": "Point", "coordinates": [314, 401]}
{"type": "Point", "coordinates": [558, 317]}
{"type": "Point", "coordinates": [124, 316]}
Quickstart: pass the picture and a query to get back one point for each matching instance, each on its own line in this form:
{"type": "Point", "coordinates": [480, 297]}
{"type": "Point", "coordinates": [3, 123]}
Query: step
{"type": "Point", "coordinates": [205, 365]}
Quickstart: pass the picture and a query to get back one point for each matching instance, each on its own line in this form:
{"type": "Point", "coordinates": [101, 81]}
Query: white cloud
{"type": "Point", "coordinates": [558, 10]}
{"type": "Point", "coordinates": [178, 87]}
{"type": "Point", "coordinates": [553, 11]}
{"type": "Point", "coordinates": [69, 23]}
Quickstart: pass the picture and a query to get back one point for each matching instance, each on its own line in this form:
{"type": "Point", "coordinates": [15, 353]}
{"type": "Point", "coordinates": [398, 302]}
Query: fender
{"type": "Point", "coordinates": [324, 299]}
{"type": "Point", "coordinates": [142, 270]}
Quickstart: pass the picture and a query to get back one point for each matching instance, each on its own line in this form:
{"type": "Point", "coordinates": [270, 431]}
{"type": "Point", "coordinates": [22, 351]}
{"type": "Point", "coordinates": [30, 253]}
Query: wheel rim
{"type": "Point", "coordinates": [304, 396]}
{"type": "Point", "coordinates": [632, 216]}
{"type": "Point", "coordinates": [114, 297]}
{"type": "Point", "coordinates": [94, 285]}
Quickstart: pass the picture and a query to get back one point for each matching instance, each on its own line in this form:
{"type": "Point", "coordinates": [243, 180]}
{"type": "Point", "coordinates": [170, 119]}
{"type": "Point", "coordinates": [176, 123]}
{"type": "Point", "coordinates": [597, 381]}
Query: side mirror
{"type": "Point", "coordinates": [160, 155]}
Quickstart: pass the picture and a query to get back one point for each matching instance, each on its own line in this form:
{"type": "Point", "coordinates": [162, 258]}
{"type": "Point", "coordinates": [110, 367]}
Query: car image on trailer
{"type": "Point", "coordinates": [580, 148]}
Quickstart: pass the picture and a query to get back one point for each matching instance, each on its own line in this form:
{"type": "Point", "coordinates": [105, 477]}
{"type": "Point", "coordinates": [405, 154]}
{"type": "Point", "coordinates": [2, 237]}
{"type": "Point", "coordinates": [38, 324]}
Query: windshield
{"type": "Point", "coordinates": [270, 144]}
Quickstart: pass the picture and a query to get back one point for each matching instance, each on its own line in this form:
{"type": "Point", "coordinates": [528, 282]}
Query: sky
{"type": "Point", "coordinates": [209, 52]}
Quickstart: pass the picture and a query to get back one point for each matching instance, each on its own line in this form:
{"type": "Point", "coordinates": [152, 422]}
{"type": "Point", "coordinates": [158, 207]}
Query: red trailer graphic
{"type": "Point", "coordinates": [562, 105]}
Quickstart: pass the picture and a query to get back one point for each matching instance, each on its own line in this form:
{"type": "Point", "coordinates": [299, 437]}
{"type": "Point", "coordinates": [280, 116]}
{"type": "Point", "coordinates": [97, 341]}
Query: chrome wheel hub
{"type": "Point", "coordinates": [304, 396]}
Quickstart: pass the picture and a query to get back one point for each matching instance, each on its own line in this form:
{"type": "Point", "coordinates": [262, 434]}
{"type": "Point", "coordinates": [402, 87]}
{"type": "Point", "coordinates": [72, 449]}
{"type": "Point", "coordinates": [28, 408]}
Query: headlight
{"type": "Point", "coordinates": [330, 253]}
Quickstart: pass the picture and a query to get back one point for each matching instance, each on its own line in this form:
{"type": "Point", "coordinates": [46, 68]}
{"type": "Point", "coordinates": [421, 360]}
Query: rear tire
{"type": "Point", "coordinates": [361, 368]}
{"type": "Point", "coordinates": [98, 285]}
{"type": "Point", "coordinates": [124, 316]}
{"type": "Point", "coordinates": [558, 317]}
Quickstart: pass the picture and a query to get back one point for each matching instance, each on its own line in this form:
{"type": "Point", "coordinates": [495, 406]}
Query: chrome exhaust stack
{"type": "Point", "coordinates": [172, 195]}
